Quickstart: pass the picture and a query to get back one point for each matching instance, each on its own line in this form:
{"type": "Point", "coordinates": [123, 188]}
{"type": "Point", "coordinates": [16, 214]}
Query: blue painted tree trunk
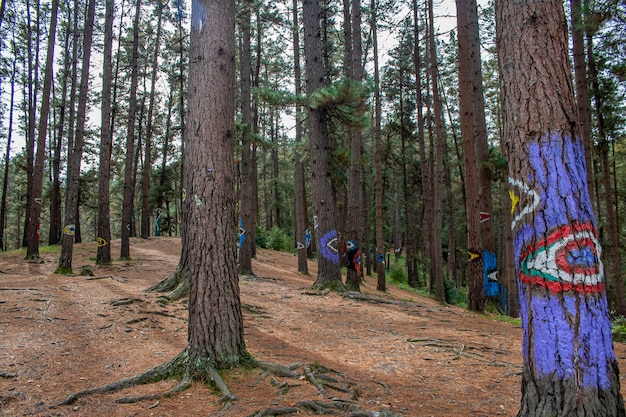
{"type": "Point", "coordinates": [570, 367]}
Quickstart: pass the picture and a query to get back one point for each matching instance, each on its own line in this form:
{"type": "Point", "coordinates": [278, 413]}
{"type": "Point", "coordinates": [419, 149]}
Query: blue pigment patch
{"type": "Point", "coordinates": [198, 15]}
{"type": "Point", "coordinates": [328, 246]}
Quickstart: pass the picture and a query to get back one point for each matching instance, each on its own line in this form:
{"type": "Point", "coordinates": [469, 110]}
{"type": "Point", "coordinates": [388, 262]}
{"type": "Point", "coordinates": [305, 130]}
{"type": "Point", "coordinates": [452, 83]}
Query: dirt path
{"type": "Point", "coordinates": [403, 353]}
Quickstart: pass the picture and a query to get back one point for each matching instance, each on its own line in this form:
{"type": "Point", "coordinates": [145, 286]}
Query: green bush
{"type": "Point", "coordinates": [398, 274]}
{"type": "Point", "coordinates": [278, 240]}
{"type": "Point", "coordinates": [618, 326]}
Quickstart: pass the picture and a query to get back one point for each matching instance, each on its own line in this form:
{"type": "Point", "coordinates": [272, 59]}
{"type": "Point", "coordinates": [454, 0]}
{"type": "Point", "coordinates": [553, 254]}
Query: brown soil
{"type": "Point", "coordinates": [402, 353]}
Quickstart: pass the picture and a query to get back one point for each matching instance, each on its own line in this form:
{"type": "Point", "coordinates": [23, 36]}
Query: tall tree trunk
{"type": "Point", "coordinates": [329, 273]}
{"type": "Point", "coordinates": [7, 158]}
{"type": "Point", "coordinates": [163, 171]}
{"type": "Point", "coordinates": [32, 230]}
{"type": "Point", "coordinates": [32, 88]}
{"type": "Point", "coordinates": [247, 202]}
{"type": "Point", "coordinates": [74, 159]}
{"type": "Point", "coordinates": [583, 99]}
{"type": "Point", "coordinates": [55, 230]}
{"type": "Point", "coordinates": [215, 319]}
{"type": "Point", "coordinates": [381, 284]}
{"type": "Point", "coordinates": [490, 280]}
{"type": "Point", "coordinates": [615, 264]}
{"type": "Point", "coordinates": [355, 197]}
{"type": "Point", "coordinates": [147, 159]}
{"type": "Point", "coordinates": [476, 299]}
{"type": "Point", "coordinates": [570, 367]}
{"type": "Point", "coordinates": [302, 243]}
{"type": "Point", "coordinates": [437, 180]}
{"type": "Point", "coordinates": [103, 253]}
{"type": "Point", "coordinates": [425, 177]}
{"type": "Point", "coordinates": [129, 190]}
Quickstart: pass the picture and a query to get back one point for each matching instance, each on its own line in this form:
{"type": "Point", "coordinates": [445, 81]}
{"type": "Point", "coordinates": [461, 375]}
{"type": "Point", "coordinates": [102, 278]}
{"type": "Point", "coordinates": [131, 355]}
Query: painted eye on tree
{"type": "Point", "coordinates": [568, 259]}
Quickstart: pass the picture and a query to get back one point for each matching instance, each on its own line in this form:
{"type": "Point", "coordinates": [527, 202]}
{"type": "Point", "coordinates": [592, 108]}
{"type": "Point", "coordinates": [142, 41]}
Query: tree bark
{"type": "Point", "coordinates": [215, 319]}
{"type": "Point", "coordinates": [437, 168]}
{"type": "Point", "coordinates": [570, 367]}
{"type": "Point", "coordinates": [476, 299]}
{"type": "Point", "coordinates": [74, 159]}
{"type": "Point", "coordinates": [129, 189]}
{"type": "Point", "coordinates": [32, 230]}
{"type": "Point", "coordinates": [302, 243]}
{"type": "Point", "coordinates": [355, 197]}
{"type": "Point", "coordinates": [329, 273]}
{"type": "Point", "coordinates": [381, 284]}
{"type": "Point", "coordinates": [247, 202]}
{"type": "Point", "coordinates": [147, 156]}
{"type": "Point", "coordinates": [615, 258]}
{"type": "Point", "coordinates": [7, 158]}
{"type": "Point", "coordinates": [583, 99]}
{"type": "Point", "coordinates": [103, 253]}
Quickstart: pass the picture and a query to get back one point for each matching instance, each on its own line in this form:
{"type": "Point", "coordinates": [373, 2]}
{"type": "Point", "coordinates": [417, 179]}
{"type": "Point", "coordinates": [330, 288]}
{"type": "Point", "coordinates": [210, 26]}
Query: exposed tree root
{"type": "Point", "coordinates": [180, 367]}
{"type": "Point", "coordinates": [176, 285]}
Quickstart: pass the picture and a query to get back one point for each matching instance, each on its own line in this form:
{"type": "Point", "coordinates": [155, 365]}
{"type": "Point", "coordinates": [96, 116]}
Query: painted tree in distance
{"type": "Point", "coordinates": [570, 367]}
{"type": "Point", "coordinates": [329, 273]}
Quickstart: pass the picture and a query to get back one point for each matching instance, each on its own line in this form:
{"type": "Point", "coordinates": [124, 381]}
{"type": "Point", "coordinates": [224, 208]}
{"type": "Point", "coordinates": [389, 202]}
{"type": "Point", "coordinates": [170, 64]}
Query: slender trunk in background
{"type": "Point", "coordinates": [476, 300]}
{"type": "Point", "coordinates": [7, 158]}
{"type": "Point", "coordinates": [302, 242]}
{"type": "Point", "coordinates": [74, 159]}
{"type": "Point", "coordinates": [412, 258]}
{"type": "Point", "coordinates": [54, 234]}
{"type": "Point", "coordinates": [437, 180]}
{"type": "Point", "coordinates": [32, 230]}
{"type": "Point", "coordinates": [127, 203]}
{"type": "Point", "coordinates": [147, 158]}
{"type": "Point", "coordinates": [615, 263]}
{"type": "Point", "coordinates": [583, 99]}
{"type": "Point", "coordinates": [103, 253]}
{"type": "Point", "coordinates": [381, 284]}
{"type": "Point", "coordinates": [32, 88]}
{"type": "Point", "coordinates": [247, 209]}
{"type": "Point", "coordinates": [487, 233]}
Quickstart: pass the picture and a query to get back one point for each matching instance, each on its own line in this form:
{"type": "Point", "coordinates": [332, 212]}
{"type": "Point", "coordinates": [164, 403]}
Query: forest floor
{"type": "Point", "coordinates": [403, 354]}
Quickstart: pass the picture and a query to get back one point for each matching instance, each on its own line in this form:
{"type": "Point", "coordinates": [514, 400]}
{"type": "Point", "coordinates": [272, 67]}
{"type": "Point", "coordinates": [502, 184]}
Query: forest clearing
{"type": "Point", "coordinates": [401, 352]}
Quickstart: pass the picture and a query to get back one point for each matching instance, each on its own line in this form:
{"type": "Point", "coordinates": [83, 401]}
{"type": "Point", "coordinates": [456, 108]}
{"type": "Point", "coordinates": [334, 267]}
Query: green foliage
{"type": "Point", "coordinates": [345, 101]}
{"type": "Point", "coordinates": [454, 294]}
{"type": "Point", "coordinates": [618, 327]}
{"type": "Point", "coordinates": [278, 240]}
{"type": "Point", "coordinates": [497, 164]}
{"type": "Point", "coordinates": [275, 239]}
{"type": "Point", "coordinates": [279, 98]}
{"type": "Point", "coordinates": [397, 273]}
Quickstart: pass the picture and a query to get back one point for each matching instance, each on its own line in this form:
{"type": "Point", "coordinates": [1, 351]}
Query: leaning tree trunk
{"type": "Point", "coordinates": [329, 273]}
{"type": "Point", "coordinates": [570, 367]}
{"type": "Point", "coordinates": [32, 230]}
